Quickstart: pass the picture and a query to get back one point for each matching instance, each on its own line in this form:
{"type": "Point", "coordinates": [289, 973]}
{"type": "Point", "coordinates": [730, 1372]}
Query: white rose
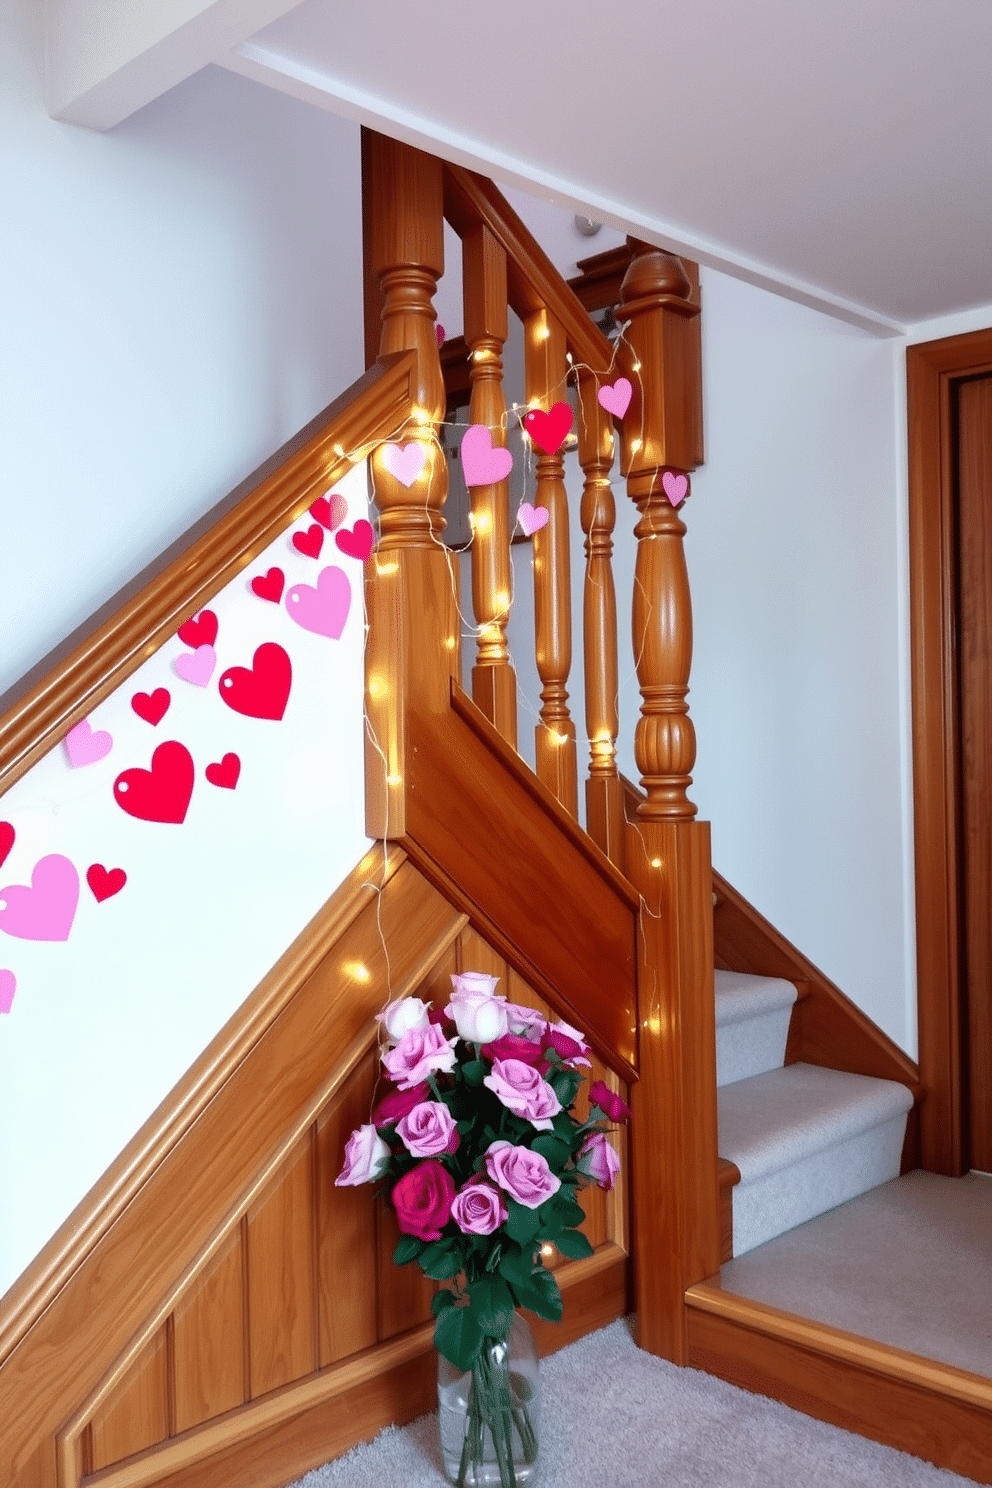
{"type": "Point", "coordinates": [400, 1016]}
{"type": "Point", "coordinates": [366, 1158]}
{"type": "Point", "coordinates": [478, 1018]}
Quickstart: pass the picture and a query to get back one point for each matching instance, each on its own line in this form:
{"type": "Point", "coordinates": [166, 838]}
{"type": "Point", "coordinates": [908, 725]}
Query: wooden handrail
{"type": "Point", "coordinates": [98, 657]}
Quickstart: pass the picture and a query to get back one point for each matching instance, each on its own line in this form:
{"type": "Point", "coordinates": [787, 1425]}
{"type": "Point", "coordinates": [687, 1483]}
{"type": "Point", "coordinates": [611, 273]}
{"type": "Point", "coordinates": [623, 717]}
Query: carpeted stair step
{"type": "Point", "coordinates": [752, 1024]}
{"type": "Point", "coordinates": [806, 1139]}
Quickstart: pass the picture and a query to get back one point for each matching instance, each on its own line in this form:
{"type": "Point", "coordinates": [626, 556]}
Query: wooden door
{"type": "Point", "coordinates": [974, 553]}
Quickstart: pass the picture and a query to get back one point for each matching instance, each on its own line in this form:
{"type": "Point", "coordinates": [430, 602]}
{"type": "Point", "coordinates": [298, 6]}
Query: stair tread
{"type": "Point", "coordinates": [740, 995]}
{"type": "Point", "coordinates": [774, 1119]}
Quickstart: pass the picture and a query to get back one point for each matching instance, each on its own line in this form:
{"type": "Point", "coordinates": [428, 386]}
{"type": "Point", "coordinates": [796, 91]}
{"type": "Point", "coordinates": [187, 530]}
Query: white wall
{"type": "Point", "coordinates": [178, 297]}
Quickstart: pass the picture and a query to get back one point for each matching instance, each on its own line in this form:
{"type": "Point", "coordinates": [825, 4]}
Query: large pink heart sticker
{"type": "Point", "coordinates": [196, 666]}
{"type": "Point", "coordinates": [8, 986]}
{"type": "Point", "coordinates": [676, 487]}
{"type": "Point", "coordinates": [549, 429]}
{"type": "Point", "coordinates": [358, 541]}
{"type": "Point", "coordinates": [261, 690]}
{"type": "Point", "coordinates": [46, 910]}
{"type": "Point", "coordinates": [201, 630]}
{"type": "Point", "coordinates": [616, 399]}
{"type": "Point", "coordinates": [481, 464]}
{"type": "Point", "coordinates": [330, 510]}
{"type": "Point", "coordinates": [323, 610]}
{"type": "Point", "coordinates": [405, 461]}
{"type": "Point", "coordinates": [85, 746]}
{"type": "Point", "coordinates": [161, 794]}
{"type": "Point", "coordinates": [532, 518]}
{"type": "Point", "coordinates": [6, 841]}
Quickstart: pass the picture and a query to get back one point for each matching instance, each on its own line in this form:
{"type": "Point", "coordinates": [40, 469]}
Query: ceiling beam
{"type": "Point", "coordinates": [105, 60]}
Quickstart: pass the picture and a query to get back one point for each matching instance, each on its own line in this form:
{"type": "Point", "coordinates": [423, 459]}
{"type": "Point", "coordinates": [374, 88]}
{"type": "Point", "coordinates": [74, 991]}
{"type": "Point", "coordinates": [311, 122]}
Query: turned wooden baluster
{"type": "Point", "coordinates": [494, 683]}
{"type": "Point", "coordinates": [673, 1131]}
{"type": "Point", "coordinates": [544, 351]}
{"type": "Point", "coordinates": [604, 793]}
{"type": "Point", "coordinates": [413, 643]}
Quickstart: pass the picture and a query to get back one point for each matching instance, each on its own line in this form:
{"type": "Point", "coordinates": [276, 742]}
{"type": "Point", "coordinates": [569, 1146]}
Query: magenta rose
{"type": "Point", "coordinates": [422, 1199]}
{"type": "Point", "coordinates": [419, 1053]}
{"type": "Point", "coordinates": [567, 1043]}
{"type": "Point", "coordinates": [598, 1161]}
{"type": "Point", "coordinates": [523, 1174]}
{"type": "Point", "coordinates": [428, 1130]}
{"type": "Point", "coordinates": [512, 1046]}
{"type": "Point", "coordinates": [478, 1208]}
{"type": "Point", "coordinates": [608, 1102]}
{"type": "Point", "coordinates": [366, 1158]}
{"type": "Point", "coordinates": [394, 1106]}
{"type": "Point", "coordinates": [523, 1091]}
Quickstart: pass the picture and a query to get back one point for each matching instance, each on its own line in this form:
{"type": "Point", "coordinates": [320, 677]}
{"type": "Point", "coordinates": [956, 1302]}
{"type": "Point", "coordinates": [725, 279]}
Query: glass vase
{"type": "Point", "coordinates": [491, 1417]}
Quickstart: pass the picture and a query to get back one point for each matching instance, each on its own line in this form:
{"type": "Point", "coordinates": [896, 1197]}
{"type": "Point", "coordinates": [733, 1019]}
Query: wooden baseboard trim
{"type": "Point", "coordinates": [325, 1415]}
{"type": "Point", "coordinates": [917, 1405]}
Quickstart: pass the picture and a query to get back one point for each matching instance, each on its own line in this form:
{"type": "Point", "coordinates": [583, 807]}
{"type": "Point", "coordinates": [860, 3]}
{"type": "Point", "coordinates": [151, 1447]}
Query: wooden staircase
{"type": "Point", "coordinates": [478, 859]}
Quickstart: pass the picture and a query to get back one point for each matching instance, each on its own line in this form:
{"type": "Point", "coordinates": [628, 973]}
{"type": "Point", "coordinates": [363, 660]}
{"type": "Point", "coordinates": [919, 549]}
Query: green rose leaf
{"type": "Point", "coordinates": [541, 1296]}
{"type": "Point", "coordinates": [492, 1306]}
{"type": "Point", "coordinates": [565, 1084]}
{"type": "Point", "coordinates": [522, 1223]}
{"type": "Point", "coordinates": [475, 1071]}
{"type": "Point", "coordinates": [441, 1300]}
{"type": "Point", "coordinates": [458, 1337]}
{"type": "Point", "coordinates": [562, 1211]}
{"type": "Point", "coordinates": [408, 1248]}
{"type": "Point", "coordinates": [516, 1264]}
{"type": "Point", "coordinates": [440, 1260]}
{"type": "Point", "coordinates": [573, 1243]}
{"type": "Point", "coordinates": [554, 1152]}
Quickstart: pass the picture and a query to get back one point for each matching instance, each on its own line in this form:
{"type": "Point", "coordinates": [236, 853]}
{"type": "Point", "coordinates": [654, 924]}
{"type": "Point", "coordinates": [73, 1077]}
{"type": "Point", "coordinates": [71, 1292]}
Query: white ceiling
{"type": "Point", "coordinates": [838, 150]}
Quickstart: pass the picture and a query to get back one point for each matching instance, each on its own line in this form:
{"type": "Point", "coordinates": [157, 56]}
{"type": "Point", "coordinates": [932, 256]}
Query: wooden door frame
{"type": "Point", "coordinates": [932, 369]}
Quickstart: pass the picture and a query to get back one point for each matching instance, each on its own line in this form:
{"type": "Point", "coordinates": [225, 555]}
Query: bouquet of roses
{"type": "Point", "coordinates": [482, 1157]}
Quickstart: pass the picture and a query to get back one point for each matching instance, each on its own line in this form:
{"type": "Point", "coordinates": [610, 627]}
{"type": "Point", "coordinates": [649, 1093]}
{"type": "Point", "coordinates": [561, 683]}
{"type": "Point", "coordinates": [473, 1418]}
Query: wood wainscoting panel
{"type": "Point", "coordinates": [281, 1293]}
{"type": "Point", "coordinates": [137, 1413]}
{"type": "Point", "coordinates": [209, 1338]}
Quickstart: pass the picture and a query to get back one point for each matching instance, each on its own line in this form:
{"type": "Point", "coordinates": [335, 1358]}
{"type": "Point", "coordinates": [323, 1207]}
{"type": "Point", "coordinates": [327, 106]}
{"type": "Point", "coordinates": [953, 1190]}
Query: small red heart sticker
{"type": "Point", "coordinates": [6, 841]}
{"type": "Point", "coordinates": [261, 690]}
{"type": "Point", "coordinates": [549, 429]}
{"type": "Point", "coordinates": [330, 511]}
{"type": "Point", "coordinates": [152, 706]}
{"type": "Point", "coordinates": [161, 794]}
{"type": "Point", "coordinates": [105, 882]}
{"type": "Point", "coordinates": [200, 631]}
{"type": "Point", "coordinates": [309, 542]}
{"type": "Point", "coordinates": [357, 541]}
{"type": "Point", "coordinates": [269, 586]}
{"type": "Point", "coordinates": [225, 773]}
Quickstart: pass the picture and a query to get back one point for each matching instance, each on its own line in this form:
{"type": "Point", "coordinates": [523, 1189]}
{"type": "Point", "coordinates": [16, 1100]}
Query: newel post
{"type": "Point", "coordinates": [412, 649]}
{"type": "Point", "coordinates": [676, 1231]}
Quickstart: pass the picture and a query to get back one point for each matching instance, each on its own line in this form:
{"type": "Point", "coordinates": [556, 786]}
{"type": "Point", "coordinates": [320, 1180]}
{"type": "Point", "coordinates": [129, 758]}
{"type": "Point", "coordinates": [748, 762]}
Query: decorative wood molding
{"type": "Point", "coordinates": [932, 1410]}
{"type": "Point", "coordinates": [932, 369]}
{"type": "Point", "coordinates": [98, 657]}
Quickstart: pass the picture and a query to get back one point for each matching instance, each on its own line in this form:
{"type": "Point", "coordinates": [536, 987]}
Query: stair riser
{"type": "Point", "coordinates": [752, 1047]}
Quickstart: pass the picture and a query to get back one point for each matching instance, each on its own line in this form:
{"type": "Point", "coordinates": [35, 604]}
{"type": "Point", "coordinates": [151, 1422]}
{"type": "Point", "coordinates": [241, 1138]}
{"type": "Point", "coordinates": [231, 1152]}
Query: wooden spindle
{"type": "Point", "coordinates": [661, 437]}
{"type": "Point", "coordinates": [604, 794]}
{"type": "Point", "coordinates": [413, 643]}
{"type": "Point", "coordinates": [494, 683]}
{"type": "Point", "coordinates": [544, 350]}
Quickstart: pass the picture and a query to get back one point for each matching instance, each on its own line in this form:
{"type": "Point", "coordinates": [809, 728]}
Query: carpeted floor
{"type": "Point", "coordinates": [614, 1417]}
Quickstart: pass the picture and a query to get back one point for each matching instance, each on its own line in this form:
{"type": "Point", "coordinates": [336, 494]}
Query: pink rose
{"type": "Point", "coordinates": [610, 1104]}
{"type": "Point", "coordinates": [397, 1103]}
{"type": "Point", "coordinates": [366, 1158]}
{"type": "Point", "coordinates": [478, 1208]}
{"type": "Point", "coordinates": [511, 1046]}
{"type": "Point", "coordinates": [567, 1043]}
{"type": "Point", "coordinates": [523, 1091]}
{"type": "Point", "coordinates": [523, 1174]}
{"type": "Point", "coordinates": [598, 1161]}
{"type": "Point", "coordinates": [428, 1129]}
{"type": "Point", "coordinates": [404, 1013]}
{"type": "Point", "coordinates": [479, 1016]}
{"type": "Point", "coordinates": [422, 1200]}
{"type": "Point", "coordinates": [419, 1053]}
{"type": "Point", "coordinates": [526, 1021]}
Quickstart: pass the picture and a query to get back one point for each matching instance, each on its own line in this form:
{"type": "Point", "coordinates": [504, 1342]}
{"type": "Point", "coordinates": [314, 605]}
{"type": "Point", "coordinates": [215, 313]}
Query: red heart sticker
{"type": "Point", "coordinates": [330, 511]}
{"type": "Point", "coordinates": [152, 706]}
{"type": "Point", "coordinates": [105, 882]}
{"type": "Point", "coordinates": [6, 841]}
{"type": "Point", "coordinates": [200, 631]}
{"type": "Point", "coordinates": [549, 429]}
{"type": "Point", "coordinates": [225, 773]}
{"type": "Point", "coordinates": [261, 690]}
{"type": "Point", "coordinates": [161, 794]}
{"type": "Point", "coordinates": [309, 542]}
{"type": "Point", "coordinates": [356, 541]}
{"type": "Point", "coordinates": [269, 586]}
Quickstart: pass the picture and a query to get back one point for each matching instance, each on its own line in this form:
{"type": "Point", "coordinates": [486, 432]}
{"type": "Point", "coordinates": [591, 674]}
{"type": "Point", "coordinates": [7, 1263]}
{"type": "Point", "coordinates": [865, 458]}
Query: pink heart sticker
{"type": "Point", "coordinates": [440, 333]}
{"type": "Point", "coordinates": [405, 461]}
{"type": "Point", "coordinates": [616, 399]}
{"type": "Point", "coordinates": [532, 518]}
{"type": "Point", "coordinates": [8, 986]}
{"type": "Point", "coordinates": [196, 666]}
{"type": "Point", "coordinates": [482, 465]}
{"type": "Point", "coordinates": [46, 910]}
{"type": "Point", "coordinates": [85, 747]}
{"type": "Point", "coordinates": [323, 610]}
{"type": "Point", "coordinates": [676, 487]}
